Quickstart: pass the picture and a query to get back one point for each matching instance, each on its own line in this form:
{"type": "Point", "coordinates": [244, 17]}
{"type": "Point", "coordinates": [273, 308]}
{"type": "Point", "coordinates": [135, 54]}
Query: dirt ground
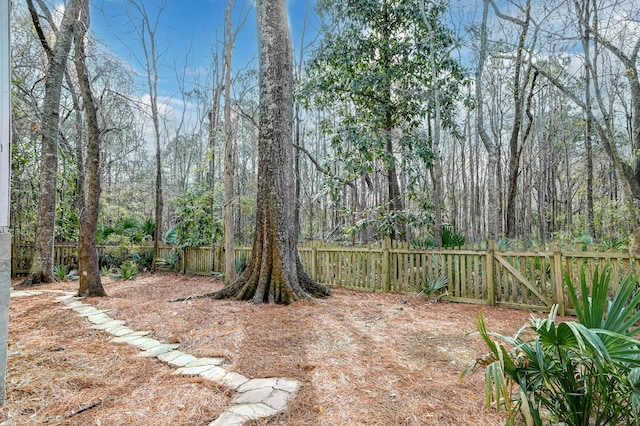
{"type": "Point", "coordinates": [363, 359]}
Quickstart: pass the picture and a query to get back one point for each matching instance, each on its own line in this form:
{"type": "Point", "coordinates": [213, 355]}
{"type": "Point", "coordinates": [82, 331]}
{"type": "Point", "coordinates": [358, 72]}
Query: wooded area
{"type": "Point", "coordinates": [420, 121]}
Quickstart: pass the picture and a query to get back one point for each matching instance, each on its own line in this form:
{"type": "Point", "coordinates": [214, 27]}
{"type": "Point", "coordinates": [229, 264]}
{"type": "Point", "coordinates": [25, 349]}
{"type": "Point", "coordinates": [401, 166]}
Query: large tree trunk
{"type": "Point", "coordinates": [275, 273]}
{"type": "Point", "coordinates": [41, 270]}
{"type": "Point", "coordinates": [88, 264]}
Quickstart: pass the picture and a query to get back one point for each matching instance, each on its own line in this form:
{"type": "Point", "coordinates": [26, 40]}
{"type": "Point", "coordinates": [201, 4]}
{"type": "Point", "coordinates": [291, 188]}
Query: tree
{"type": "Point", "coordinates": [41, 270]}
{"type": "Point", "coordinates": [372, 72]}
{"type": "Point", "coordinates": [275, 273]}
{"type": "Point", "coordinates": [88, 264]}
{"type": "Point", "coordinates": [229, 163]}
{"type": "Point", "coordinates": [147, 29]}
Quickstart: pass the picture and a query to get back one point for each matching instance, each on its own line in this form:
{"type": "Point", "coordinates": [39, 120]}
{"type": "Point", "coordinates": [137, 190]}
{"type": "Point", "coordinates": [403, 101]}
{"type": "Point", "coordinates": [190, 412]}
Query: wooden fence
{"type": "Point", "coordinates": [531, 280]}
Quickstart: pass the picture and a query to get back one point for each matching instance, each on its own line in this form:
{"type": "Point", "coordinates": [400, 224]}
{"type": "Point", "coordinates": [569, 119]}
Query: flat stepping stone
{"type": "Point", "coordinates": [280, 383]}
{"type": "Point", "coordinates": [119, 331]}
{"type": "Point", "coordinates": [82, 309]}
{"type": "Point", "coordinates": [274, 398]}
{"type": "Point", "coordinates": [24, 293]}
{"type": "Point", "coordinates": [78, 306]}
{"type": "Point", "coordinates": [233, 380]}
{"type": "Point", "coordinates": [129, 337]}
{"type": "Point", "coordinates": [109, 324]}
{"type": "Point", "coordinates": [206, 361]}
{"type": "Point", "coordinates": [169, 356]}
{"type": "Point", "coordinates": [192, 371]}
{"type": "Point", "coordinates": [91, 313]}
{"type": "Point", "coordinates": [215, 374]}
{"type": "Point", "coordinates": [240, 414]}
{"type": "Point", "coordinates": [144, 343]}
{"type": "Point", "coordinates": [73, 303]}
{"type": "Point", "coordinates": [161, 349]}
{"type": "Point", "coordinates": [182, 360]}
{"type": "Point", "coordinates": [102, 319]}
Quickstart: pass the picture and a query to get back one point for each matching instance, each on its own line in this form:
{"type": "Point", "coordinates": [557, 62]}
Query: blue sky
{"type": "Point", "coordinates": [185, 25]}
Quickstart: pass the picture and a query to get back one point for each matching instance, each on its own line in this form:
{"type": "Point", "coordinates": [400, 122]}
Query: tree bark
{"type": "Point", "coordinates": [88, 264]}
{"type": "Point", "coordinates": [229, 166]}
{"type": "Point", "coordinates": [275, 273]}
{"type": "Point", "coordinates": [41, 270]}
{"type": "Point", "coordinates": [490, 145]}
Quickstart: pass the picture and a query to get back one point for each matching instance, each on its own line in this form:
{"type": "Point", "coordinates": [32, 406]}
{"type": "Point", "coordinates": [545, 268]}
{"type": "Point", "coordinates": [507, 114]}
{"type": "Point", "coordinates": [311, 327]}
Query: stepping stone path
{"type": "Point", "coordinates": [254, 399]}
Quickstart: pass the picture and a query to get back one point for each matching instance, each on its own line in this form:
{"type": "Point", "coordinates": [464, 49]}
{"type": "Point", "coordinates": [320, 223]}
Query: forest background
{"type": "Point", "coordinates": [423, 121]}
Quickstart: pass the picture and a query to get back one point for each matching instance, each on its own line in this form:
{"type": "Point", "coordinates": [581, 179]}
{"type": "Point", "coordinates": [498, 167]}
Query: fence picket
{"type": "Point", "coordinates": [484, 275]}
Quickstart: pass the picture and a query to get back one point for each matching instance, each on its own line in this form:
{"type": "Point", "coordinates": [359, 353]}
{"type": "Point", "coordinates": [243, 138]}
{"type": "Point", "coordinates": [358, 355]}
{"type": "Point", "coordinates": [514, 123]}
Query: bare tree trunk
{"type": "Point", "coordinates": [586, 45]}
{"type": "Point", "coordinates": [275, 272]}
{"type": "Point", "coordinates": [516, 141]}
{"type": "Point", "coordinates": [229, 166]}
{"type": "Point", "coordinates": [213, 132]}
{"type": "Point", "coordinates": [147, 33]}
{"type": "Point", "coordinates": [41, 270]}
{"type": "Point", "coordinates": [493, 219]}
{"type": "Point", "coordinates": [88, 264]}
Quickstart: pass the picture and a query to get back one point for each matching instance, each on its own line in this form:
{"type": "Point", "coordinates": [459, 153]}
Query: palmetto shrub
{"type": "Point", "coordinates": [584, 372]}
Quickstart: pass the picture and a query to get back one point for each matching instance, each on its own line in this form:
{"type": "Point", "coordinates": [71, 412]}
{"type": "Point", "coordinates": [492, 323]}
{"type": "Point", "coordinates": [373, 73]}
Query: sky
{"type": "Point", "coordinates": [186, 27]}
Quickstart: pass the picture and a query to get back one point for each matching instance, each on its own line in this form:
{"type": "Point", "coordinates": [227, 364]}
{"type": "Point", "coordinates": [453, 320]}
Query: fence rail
{"type": "Point", "coordinates": [517, 279]}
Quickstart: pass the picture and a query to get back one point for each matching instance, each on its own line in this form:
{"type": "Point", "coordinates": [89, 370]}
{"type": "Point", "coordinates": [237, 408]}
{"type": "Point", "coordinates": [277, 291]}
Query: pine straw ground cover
{"type": "Point", "coordinates": [363, 359]}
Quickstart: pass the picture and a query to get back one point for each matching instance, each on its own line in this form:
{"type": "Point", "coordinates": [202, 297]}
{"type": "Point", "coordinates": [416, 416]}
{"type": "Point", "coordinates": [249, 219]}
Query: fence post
{"type": "Point", "coordinates": [386, 266]}
{"type": "Point", "coordinates": [558, 282]}
{"type": "Point", "coordinates": [314, 262]}
{"type": "Point", "coordinates": [489, 281]}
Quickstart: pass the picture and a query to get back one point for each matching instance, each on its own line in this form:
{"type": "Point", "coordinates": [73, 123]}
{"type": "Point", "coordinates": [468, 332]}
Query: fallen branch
{"type": "Point", "coordinates": [82, 410]}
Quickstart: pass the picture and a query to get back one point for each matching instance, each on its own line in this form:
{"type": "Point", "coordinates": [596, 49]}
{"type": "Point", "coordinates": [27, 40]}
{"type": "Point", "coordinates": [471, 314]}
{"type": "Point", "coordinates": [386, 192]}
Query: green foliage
{"type": "Point", "coordinates": [104, 270]}
{"type": "Point", "coordinates": [119, 250]}
{"type": "Point", "coordinates": [193, 226]}
{"type": "Point", "coordinates": [172, 261]}
{"type": "Point", "coordinates": [127, 271]}
{"type": "Point", "coordinates": [170, 236]}
{"type": "Point", "coordinates": [450, 239]}
{"type": "Point", "coordinates": [373, 73]}
{"type": "Point", "coordinates": [572, 373]}
{"type": "Point", "coordinates": [432, 288]}
{"type": "Point", "coordinates": [149, 228]}
{"type": "Point", "coordinates": [63, 273]}
{"type": "Point", "coordinates": [132, 228]}
{"type": "Point", "coordinates": [241, 262]}
{"type": "Point", "coordinates": [143, 258]}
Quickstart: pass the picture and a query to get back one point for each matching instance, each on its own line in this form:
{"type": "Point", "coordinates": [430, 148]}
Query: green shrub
{"type": "Point", "coordinates": [172, 261]}
{"type": "Point", "coordinates": [143, 258]}
{"type": "Point", "coordinates": [63, 273]}
{"type": "Point", "coordinates": [572, 373]}
{"type": "Point", "coordinates": [104, 271]}
{"type": "Point", "coordinates": [127, 271]}
{"type": "Point", "coordinates": [240, 263]}
{"type": "Point", "coordinates": [59, 272]}
{"type": "Point", "coordinates": [450, 239]}
{"type": "Point", "coordinates": [432, 288]}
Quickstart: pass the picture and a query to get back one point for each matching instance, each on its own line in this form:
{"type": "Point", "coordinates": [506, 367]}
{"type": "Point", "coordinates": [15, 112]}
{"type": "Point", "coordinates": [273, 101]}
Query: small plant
{"type": "Point", "coordinates": [241, 263]}
{"type": "Point", "coordinates": [104, 270]}
{"type": "Point", "coordinates": [63, 273]}
{"type": "Point", "coordinates": [571, 373]}
{"type": "Point", "coordinates": [60, 272]}
{"type": "Point", "coordinates": [172, 262]}
{"type": "Point", "coordinates": [432, 288]}
{"type": "Point", "coordinates": [127, 271]}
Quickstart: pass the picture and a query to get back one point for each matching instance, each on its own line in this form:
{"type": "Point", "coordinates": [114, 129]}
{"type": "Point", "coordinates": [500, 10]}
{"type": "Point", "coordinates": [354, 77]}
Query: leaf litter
{"type": "Point", "coordinates": [362, 358]}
